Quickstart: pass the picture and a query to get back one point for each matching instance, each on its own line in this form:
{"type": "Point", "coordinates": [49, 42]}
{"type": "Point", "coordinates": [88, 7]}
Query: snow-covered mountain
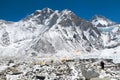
{"type": "Point", "coordinates": [48, 31]}
{"type": "Point", "coordinates": [110, 31]}
{"type": "Point", "coordinates": [101, 21]}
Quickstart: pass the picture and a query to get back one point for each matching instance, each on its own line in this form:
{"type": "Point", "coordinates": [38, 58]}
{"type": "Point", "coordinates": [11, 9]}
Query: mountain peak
{"type": "Point", "coordinates": [101, 21]}
{"type": "Point", "coordinates": [66, 11]}
{"type": "Point", "coordinates": [47, 10]}
{"type": "Point", "coordinates": [44, 10]}
{"type": "Point", "coordinates": [40, 14]}
{"type": "Point", "coordinates": [98, 16]}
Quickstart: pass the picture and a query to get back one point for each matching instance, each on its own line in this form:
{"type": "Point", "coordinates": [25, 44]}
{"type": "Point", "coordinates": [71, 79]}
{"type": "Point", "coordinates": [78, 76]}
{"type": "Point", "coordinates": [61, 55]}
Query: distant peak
{"type": "Point", "coordinates": [101, 21]}
{"type": "Point", "coordinates": [66, 11]}
{"type": "Point", "coordinates": [47, 10]}
{"type": "Point", "coordinates": [98, 16]}
{"type": "Point", "coordinates": [44, 10]}
{"type": "Point", "coordinates": [38, 11]}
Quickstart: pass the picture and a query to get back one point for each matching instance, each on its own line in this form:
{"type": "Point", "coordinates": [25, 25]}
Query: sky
{"type": "Point", "coordinates": [15, 10]}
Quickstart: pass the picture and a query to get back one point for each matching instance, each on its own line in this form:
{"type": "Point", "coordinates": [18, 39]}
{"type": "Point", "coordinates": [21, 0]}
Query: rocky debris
{"type": "Point", "coordinates": [87, 69]}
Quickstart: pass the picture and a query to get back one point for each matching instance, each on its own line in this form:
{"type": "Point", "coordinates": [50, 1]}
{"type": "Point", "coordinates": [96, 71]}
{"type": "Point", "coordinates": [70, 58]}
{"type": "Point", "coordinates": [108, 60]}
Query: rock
{"type": "Point", "coordinates": [10, 61]}
{"type": "Point", "coordinates": [58, 74]}
{"type": "Point", "coordinates": [88, 74]}
{"type": "Point", "coordinates": [40, 77]}
{"type": "Point", "coordinates": [13, 71]}
{"type": "Point", "coordinates": [3, 77]}
{"type": "Point", "coordinates": [109, 60]}
{"type": "Point", "coordinates": [100, 79]}
{"type": "Point", "coordinates": [16, 73]}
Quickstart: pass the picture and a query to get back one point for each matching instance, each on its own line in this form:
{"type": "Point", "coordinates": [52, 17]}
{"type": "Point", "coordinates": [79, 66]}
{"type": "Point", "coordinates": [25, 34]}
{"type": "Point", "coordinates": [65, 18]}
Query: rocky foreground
{"type": "Point", "coordinates": [61, 69]}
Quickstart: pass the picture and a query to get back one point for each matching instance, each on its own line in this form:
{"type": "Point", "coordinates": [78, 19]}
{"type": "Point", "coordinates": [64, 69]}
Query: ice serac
{"type": "Point", "coordinates": [101, 21]}
{"type": "Point", "coordinates": [48, 31]}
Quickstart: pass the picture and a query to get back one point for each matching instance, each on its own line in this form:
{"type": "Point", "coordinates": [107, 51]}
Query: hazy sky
{"type": "Point", "coordinates": [14, 10]}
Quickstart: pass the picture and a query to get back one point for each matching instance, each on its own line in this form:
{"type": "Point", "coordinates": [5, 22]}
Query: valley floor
{"type": "Point", "coordinates": [34, 68]}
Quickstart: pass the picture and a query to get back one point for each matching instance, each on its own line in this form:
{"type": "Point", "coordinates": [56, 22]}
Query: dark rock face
{"type": "Point", "coordinates": [70, 19]}
{"type": "Point", "coordinates": [53, 20]}
{"type": "Point", "coordinates": [43, 46]}
{"type": "Point", "coordinates": [5, 39]}
{"type": "Point", "coordinates": [41, 16]}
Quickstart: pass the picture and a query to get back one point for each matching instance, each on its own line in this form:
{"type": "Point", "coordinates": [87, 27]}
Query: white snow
{"type": "Point", "coordinates": [101, 22]}
{"type": "Point", "coordinates": [12, 77]}
{"type": "Point", "coordinates": [3, 67]}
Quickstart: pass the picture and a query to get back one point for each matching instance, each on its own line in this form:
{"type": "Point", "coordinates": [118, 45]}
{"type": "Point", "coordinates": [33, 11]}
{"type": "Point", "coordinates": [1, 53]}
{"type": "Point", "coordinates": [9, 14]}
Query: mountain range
{"type": "Point", "coordinates": [48, 31]}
